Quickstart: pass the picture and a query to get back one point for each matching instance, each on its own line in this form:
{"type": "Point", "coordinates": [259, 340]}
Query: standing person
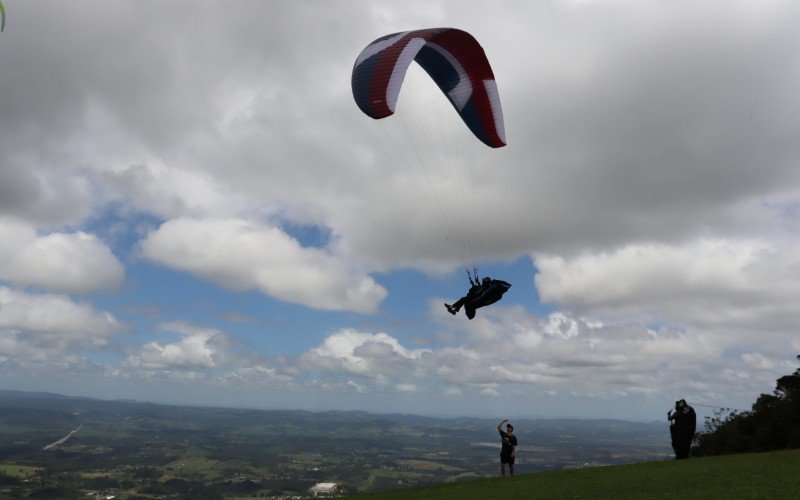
{"type": "Point", "coordinates": [673, 433]}
{"type": "Point", "coordinates": [509, 447]}
{"type": "Point", "coordinates": [683, 423]}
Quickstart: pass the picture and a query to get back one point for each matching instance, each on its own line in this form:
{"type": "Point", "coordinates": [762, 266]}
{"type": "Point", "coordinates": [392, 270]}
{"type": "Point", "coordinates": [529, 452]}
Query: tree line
{"type": "Point", "coordinates": [772, 424]}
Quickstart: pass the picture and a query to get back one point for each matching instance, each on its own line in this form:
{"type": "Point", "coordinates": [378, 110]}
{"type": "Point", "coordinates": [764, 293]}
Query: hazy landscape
{"type": "Point", "coordinates": [148, 450]}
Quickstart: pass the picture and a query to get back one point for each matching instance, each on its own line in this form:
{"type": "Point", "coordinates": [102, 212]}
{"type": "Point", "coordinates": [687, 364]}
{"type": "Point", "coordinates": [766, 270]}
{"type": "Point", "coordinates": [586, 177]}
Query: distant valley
{"type": "Point", "coordinates": [143, 450]}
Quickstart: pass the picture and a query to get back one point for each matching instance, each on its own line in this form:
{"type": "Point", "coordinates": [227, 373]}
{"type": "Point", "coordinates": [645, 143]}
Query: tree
{"type": "Point", "coordinates": [772, 424]}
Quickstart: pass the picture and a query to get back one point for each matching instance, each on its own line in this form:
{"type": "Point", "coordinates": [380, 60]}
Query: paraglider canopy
{"type": "Point", "coordinates": [452, 58]}
{"type": "Point", "coordinates": [441, 148]}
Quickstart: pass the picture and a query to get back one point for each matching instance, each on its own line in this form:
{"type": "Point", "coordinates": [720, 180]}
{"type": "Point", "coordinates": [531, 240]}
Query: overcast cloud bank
{"type": "Point", "coordinates": [651, 178]}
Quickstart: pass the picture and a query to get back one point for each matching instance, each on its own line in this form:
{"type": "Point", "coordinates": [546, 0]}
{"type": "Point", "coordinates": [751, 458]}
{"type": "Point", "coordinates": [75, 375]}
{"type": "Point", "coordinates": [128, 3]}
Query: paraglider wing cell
{"type": "Point", "coordinates": [452, 58]}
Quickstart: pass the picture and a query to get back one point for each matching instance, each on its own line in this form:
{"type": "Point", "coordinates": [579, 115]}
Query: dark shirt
{"type": "Point", "coordinates": [508, 443]}
{"type": "Point", "coordinates": [685, 421]}
{"type": "Point", "coordinates": [474, 291]}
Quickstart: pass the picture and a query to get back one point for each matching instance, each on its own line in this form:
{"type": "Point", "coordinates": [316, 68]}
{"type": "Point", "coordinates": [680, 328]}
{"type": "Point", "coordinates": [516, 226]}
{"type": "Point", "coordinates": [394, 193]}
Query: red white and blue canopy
{"type": "Point", "coordinates": [455, 61]}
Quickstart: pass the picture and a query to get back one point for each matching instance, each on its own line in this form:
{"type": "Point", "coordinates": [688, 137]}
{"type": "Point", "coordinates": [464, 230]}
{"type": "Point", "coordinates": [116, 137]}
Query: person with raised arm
{"type": "Point", "coordinates": [509, 447]}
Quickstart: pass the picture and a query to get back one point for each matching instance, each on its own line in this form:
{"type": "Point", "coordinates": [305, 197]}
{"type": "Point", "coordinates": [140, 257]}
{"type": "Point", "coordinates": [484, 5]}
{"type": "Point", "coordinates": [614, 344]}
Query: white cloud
{"type": "Point", "coordinates": [205, 355]}
{"type": "Point", "coordinates": [612, 361]}
{"type": "Point", "coordinates": [199, 348]}
{"type": "Point", "coordinates": [490, 391]}
{"type": "Point", "coordinates": [255, 375]}
{"type": "Point", "coordinates": [738, 285]}
{"type": "Point", "coordinates": [170, 192]}
{"type": "Point", "coordinates": [267, 131]}
{"type": "Point", "coordinates": [358, 387]}
{"type": "Point", "coordinates": [452, 391]}
{"type": "Point", "coordinates": [374, 356]}
{"type": "Point", "coordinates": [642, 273]}
{"type": "Point", "coordinates": [631, 131]}
{"type": "Point", "coordinates": [63, 262]}
{"type": "Point", "coordinates": [242, 255]}
{"type": "Point", "coordinates": [50, 327]}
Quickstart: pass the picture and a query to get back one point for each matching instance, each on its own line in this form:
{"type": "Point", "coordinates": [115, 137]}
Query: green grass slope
{"type": "Point", "coordinates": [757, 475]}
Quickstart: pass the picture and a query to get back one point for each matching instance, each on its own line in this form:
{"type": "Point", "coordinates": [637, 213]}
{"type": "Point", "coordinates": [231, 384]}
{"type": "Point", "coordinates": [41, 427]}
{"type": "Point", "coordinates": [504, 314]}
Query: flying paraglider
{"type": "Point", "coordinates": [458, 65]}
{"type": "Point", "coordinates": [479, 295]}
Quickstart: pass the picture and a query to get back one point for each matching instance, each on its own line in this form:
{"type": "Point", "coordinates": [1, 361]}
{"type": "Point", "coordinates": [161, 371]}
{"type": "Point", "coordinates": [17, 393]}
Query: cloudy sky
{"type": "Point", "coordinates": [193, 209]}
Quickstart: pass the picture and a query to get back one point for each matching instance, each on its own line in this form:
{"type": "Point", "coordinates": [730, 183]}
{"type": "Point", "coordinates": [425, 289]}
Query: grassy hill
{"type": "Point", "coordinates": [758, 475]}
